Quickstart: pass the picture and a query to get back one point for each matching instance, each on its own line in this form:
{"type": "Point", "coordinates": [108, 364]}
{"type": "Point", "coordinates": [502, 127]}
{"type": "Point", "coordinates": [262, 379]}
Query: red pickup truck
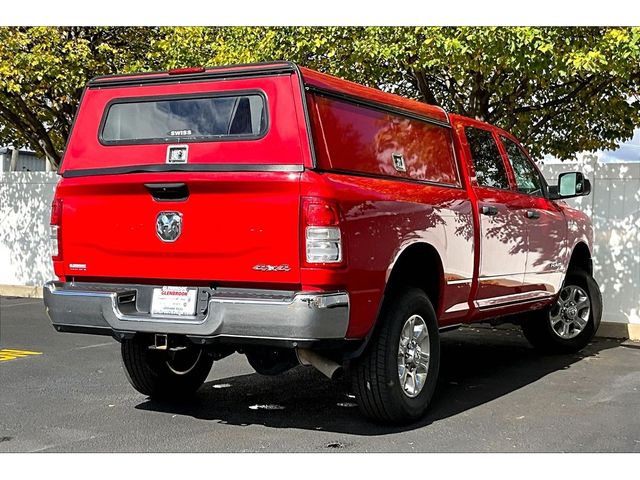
{"type": "Point", "coordinates": [298, 218]}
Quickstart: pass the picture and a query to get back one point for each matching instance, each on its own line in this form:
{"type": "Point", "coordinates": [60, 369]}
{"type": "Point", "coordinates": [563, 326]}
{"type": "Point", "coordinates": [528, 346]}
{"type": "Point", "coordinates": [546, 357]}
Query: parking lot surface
{"type": "Point", "coordinates": [68, 393]}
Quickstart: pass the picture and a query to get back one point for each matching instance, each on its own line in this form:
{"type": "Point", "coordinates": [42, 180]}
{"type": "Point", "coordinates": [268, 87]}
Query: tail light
{"type": "Point", "coordinates": [322, 233]}
{"type": "Point", "coordinates": [56, 229]}
{"type": "Point", "coordinates": [184, 71]}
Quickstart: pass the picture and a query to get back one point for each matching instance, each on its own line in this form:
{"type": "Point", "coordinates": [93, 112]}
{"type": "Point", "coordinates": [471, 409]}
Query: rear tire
{"type": "Point", "coordinates": [381, 377]}
{"type": "Point", "coordinates": [161, 374]}
{"type": "Point", "coordinates": [561, 328]}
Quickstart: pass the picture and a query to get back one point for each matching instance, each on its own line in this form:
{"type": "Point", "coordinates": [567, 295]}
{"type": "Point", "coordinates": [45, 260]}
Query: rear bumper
{"type": "Point", "coordinates": [222, 313]}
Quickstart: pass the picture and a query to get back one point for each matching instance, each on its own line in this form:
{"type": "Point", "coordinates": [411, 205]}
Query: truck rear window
{"type": "Point", "coordinates": [180, 119]}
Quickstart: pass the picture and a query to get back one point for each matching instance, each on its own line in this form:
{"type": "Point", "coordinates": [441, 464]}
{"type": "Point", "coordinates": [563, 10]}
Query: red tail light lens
{"type": "Point", "coordinates": [321, 233]}
{"type": "Point", "coordinates": [56, 229]}
{"type": "Point", "coordinates": [56, 211]}
{"type": "Point", "coordinates": [320, 213]}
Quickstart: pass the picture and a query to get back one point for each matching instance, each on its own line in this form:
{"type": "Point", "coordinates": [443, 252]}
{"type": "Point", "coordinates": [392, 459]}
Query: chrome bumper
{"type": "Point", "coordinates": [223, 312]}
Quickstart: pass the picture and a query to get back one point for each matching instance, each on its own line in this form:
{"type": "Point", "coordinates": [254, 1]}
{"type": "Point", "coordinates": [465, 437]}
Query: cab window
{"type": "Point", "coordinates": [527, 177]}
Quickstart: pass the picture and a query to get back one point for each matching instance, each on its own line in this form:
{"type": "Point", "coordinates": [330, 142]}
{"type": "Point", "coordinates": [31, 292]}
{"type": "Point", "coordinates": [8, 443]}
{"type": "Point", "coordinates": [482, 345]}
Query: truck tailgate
{"type": "Point", "coordinates": [235, 227]}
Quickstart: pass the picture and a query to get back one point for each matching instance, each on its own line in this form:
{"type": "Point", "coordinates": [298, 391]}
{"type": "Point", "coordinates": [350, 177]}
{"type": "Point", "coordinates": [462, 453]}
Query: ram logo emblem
{"type": "Point", "coordinates": [169, 226]}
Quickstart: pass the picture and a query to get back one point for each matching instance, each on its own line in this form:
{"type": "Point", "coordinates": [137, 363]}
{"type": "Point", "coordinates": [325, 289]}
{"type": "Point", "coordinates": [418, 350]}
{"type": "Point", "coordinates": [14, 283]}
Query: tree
{"type": "Point", "coordinates": [43, 71]}
{"type": "Point", "coordinates": [560, 90]}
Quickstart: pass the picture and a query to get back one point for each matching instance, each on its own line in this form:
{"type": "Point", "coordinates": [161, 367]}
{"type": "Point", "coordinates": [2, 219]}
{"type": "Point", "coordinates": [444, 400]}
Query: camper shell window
{"type": "Point", "coordinates": [210, 117]}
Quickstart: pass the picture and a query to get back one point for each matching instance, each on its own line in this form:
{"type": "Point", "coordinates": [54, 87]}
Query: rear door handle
{"type": "Point", "coordinates": [533, 214]}
{"type": "Point", "coordinates": [489, 210]}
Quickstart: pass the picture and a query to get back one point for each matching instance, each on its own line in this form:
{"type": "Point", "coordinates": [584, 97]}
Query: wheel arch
{"type": "Point", "coordinates": [417, 265]}
{"type": "Point", "coordinates": [402, 271]}
{"type": "Point", "coordinates": [581, 258]}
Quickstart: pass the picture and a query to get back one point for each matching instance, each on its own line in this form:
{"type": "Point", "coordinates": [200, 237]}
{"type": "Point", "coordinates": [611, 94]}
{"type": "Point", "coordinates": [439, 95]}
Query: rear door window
{"type": "Point", "coordinates": [184, 119]}
{"type": "Point", "coordinates": [487, 160]}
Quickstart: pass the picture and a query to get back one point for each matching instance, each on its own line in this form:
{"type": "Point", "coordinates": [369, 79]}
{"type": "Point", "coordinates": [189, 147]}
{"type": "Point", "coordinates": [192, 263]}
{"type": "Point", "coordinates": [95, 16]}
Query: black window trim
{"type": "Point", "coordinates": [185, 167]}
{"type": "Point", "coordinates": [495, 140]}
{"type": "Point", "coordinates": [376, 105]}
{"type": "Point", "coordinates": [184, 96]}
{"type": "Point", "coordinates": [389, 177]}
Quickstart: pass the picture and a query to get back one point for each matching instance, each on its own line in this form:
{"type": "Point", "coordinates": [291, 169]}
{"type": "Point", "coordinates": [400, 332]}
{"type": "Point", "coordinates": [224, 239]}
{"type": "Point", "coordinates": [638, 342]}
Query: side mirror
{"type": "Point", "coordinates": [570, 184]}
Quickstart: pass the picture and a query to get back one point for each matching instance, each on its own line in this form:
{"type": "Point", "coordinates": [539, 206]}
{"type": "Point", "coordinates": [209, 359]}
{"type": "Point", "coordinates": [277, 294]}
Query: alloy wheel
{"type": "Point", "coordinates": [413, 356]}
{"type": "Point", "coordinates": [570, 315]}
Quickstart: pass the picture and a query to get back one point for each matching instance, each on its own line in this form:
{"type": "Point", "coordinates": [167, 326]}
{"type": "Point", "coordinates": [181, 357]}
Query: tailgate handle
{"type": "Point", "coordinates": [168, 192]}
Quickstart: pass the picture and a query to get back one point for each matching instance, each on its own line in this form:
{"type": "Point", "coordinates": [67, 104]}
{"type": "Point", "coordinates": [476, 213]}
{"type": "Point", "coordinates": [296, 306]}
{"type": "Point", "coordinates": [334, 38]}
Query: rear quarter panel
{"type": "Point", "coordinates": [381, 218]}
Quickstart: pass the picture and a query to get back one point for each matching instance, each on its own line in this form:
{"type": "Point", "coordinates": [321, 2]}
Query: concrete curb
{"type": "Point", "coordinates": [619, 330]}
{"type": "Point", "coordinates": [27, 291]}
{"type": "Point", "coordinates": [606, 330]}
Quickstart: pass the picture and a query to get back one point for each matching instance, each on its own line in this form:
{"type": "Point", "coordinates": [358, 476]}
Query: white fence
{"type": "Point", "coordinates": [25, 206]}
{"type": "Point", "coordinates": [614, 205]}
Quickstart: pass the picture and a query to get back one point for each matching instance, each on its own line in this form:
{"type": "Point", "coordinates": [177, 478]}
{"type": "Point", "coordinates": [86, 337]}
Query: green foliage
{"type": "Point", "coordinates": [43, 71]}
{"type": "Point", "coordinates": [560, 90]}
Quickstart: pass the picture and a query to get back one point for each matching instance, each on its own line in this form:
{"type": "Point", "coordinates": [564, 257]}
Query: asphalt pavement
{"type": "Point", "coordinates": [68, 393]}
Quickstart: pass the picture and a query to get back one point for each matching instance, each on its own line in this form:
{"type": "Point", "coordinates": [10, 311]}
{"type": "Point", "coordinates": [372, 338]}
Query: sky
{"type": "Point", "coordinates": [628, 151]}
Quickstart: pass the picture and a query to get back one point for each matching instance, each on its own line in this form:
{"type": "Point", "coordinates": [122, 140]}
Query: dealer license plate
{"type": "Point", "coordinates": [174, 301]}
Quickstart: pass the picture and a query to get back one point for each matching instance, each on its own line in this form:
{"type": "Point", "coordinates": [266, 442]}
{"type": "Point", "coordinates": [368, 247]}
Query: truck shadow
{"type": "Point", "coordinates": [479, 365]}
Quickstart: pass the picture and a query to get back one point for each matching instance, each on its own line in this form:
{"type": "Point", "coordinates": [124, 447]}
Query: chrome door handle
{"type": "Point", "coordinates": [533, 214]}
{"type": "Point", "coordinates": [489, 210]}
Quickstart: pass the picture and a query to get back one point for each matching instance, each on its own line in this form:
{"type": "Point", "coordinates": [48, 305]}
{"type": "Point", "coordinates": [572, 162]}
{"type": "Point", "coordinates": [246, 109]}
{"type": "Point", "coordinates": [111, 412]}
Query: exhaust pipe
{"type": "Point", "coordinates": [328, 368]}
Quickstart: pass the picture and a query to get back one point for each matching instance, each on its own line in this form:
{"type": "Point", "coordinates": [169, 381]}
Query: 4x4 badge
{"type": "Point", "coordinates": [272, 268]}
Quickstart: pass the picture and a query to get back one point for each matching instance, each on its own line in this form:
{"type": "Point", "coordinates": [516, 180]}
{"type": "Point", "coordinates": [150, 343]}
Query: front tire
{"type": "Point", "coordinates": [163, 374]}
{"type": "Point", "coordinates": [570, 324]}
{"type": "Point", "coordinates": [395, 378]}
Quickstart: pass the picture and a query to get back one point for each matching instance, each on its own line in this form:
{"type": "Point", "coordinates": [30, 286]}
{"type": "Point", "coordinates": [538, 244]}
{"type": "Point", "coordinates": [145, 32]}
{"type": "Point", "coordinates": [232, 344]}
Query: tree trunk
{"type": "Point", "coordinates": [24, 120]}
{"type": "Point", "coordinates": [50, 153]}
{"type": "Point", "coordinates": [424, 88]}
